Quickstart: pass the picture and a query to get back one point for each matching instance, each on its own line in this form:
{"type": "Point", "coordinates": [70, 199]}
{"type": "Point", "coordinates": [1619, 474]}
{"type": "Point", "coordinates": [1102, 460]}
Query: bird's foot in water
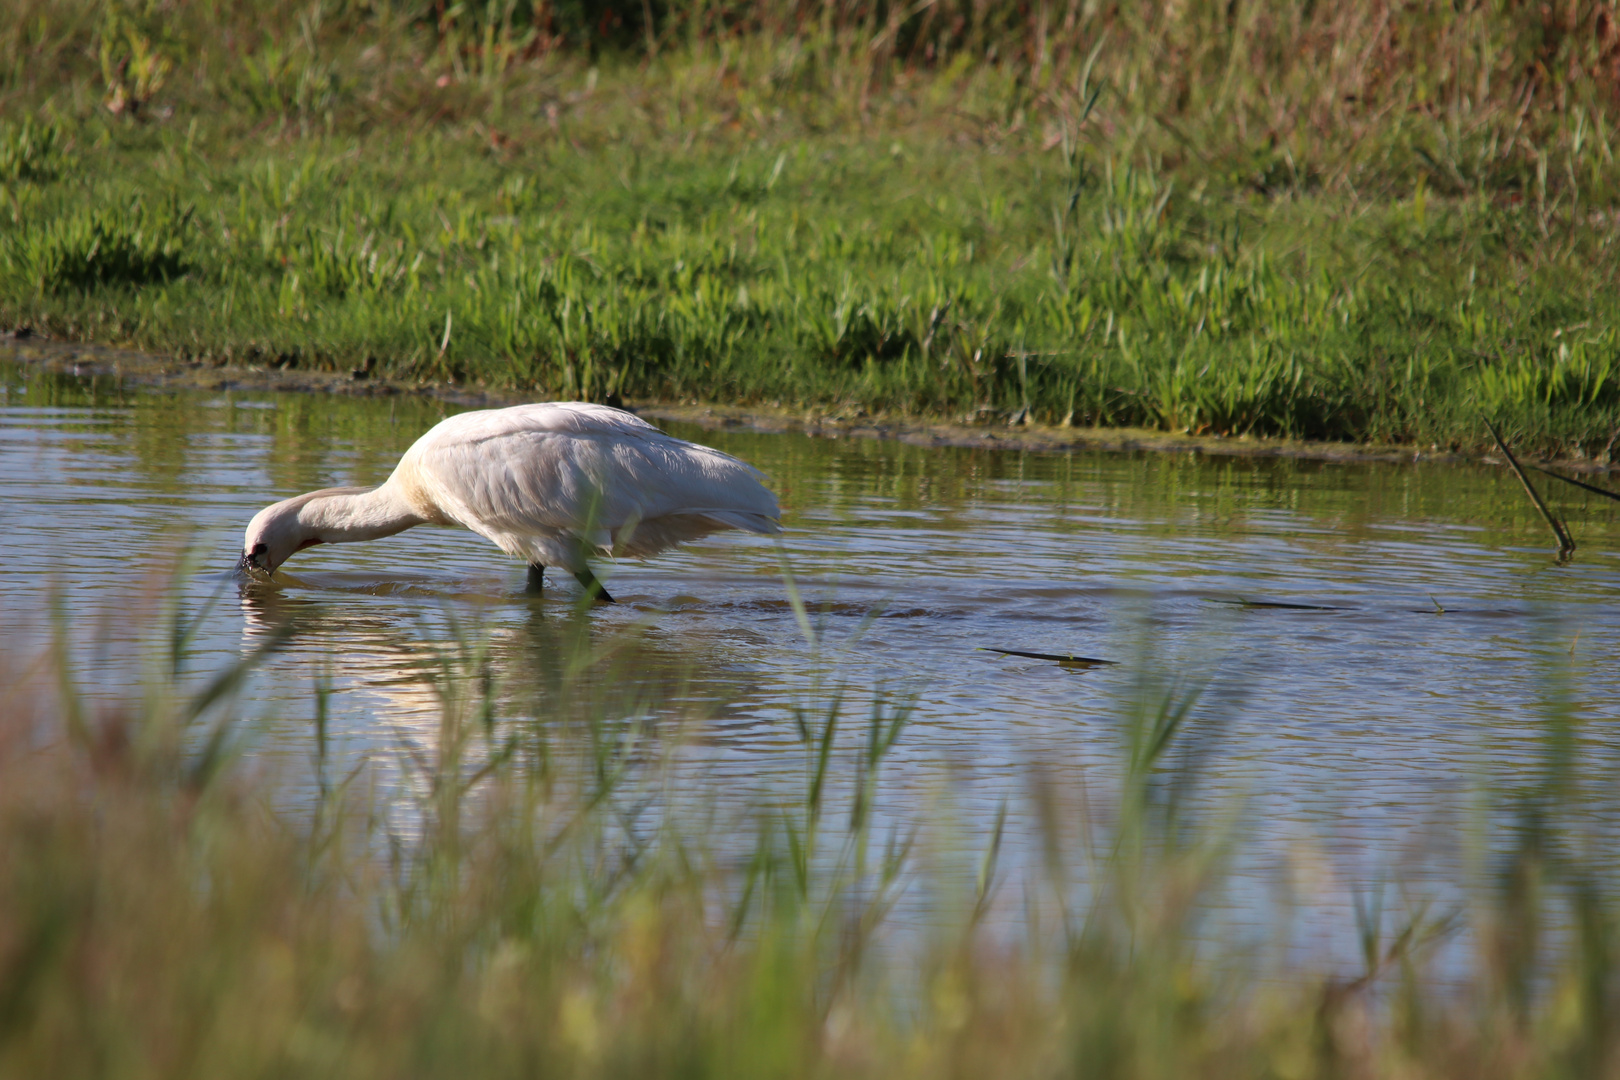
{"type": "Point", "coordinates": [537, 580]}
{"type": "Point", "coordinates": [592, 587]}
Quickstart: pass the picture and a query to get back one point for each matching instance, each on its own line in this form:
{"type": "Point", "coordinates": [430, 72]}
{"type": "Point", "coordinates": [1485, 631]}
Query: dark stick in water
{"type": "Point", "coordinates": [1605, 492]}
{"type": "Point", "coordinates": [1048, 656]}
{"type": "Point", "coordinates": [1566, 546]}
{"type": "Point", "coordinates": [1277, 604]}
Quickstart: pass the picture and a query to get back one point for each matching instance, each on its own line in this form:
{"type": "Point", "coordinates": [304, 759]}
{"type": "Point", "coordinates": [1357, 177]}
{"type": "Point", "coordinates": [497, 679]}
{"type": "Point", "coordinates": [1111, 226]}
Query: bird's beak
{"type": "Point", "coordinates": [249, 566]}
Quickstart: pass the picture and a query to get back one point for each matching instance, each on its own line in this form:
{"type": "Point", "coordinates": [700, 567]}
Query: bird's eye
{"type": "Point", "coordinates": [260, 549]}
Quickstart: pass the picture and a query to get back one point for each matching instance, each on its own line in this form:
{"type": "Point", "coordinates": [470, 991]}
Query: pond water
{"type": "Point", "coordinates": [1435, 629]}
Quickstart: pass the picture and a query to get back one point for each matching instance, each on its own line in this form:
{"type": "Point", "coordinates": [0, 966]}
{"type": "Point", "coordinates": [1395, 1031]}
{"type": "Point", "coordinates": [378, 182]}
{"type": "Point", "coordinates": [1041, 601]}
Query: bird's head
{"type": "Point", "coordinates": [276, 532]}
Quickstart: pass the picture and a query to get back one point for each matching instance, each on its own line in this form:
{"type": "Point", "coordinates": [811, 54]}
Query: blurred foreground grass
{"type": "Point", "coordinates": [1362, 222]}
{"type": "Point", "coordinates": [534, 896]}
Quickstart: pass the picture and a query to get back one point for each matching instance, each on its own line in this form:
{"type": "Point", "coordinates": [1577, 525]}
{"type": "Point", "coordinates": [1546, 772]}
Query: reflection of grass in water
{"type": "Point", "coordinates": [1328, 221]}
{"type": "Point", "coordinates": [554, 915]}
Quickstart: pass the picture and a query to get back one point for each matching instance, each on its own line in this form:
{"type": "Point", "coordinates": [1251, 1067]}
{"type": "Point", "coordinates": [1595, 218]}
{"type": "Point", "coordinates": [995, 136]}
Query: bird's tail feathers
{"type": "Point", "coordinates": [649, 537]}
{"type": "Point", "coordinates": [747, 522]}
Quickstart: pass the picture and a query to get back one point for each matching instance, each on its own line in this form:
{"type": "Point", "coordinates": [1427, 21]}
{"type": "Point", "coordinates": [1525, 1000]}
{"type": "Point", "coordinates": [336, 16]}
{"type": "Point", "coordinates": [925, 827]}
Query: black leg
{"type": "Point", "coordinates": [592, 587]}
{"type": "Point", "coordinates": [537, 579]}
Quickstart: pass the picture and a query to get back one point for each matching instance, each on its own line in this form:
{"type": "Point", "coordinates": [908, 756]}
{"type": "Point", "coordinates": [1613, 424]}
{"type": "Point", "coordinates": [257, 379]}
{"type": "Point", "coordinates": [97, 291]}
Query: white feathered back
{"type": "Point", "coordinates": [544, 481]}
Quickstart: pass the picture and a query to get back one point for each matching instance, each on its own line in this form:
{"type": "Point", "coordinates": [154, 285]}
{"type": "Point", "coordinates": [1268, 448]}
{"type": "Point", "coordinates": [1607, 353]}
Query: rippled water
{"type": "Point", "coordinates": [1439, 629]}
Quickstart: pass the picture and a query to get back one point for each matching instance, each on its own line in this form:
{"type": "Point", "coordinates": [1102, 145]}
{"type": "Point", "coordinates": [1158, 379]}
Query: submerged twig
{"type": "Point", "coordinates": [1566, 546]}
{"type": "Point", "coordinates": [1278, 605]}
{"type": "Point", "coordinates": [1605, 492]}
{"type": "Point", "coordinates": [1059, 658]}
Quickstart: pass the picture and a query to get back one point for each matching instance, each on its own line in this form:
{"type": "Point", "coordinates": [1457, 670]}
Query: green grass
{"type": "Point", "coordinates": [1210, 222]}
{"type": "Point", "coordinates": [537, 901]}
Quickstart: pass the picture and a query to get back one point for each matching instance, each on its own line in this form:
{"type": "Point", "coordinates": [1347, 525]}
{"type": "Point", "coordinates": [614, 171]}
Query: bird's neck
{"type": "Point", "coordinates": [347, 515]}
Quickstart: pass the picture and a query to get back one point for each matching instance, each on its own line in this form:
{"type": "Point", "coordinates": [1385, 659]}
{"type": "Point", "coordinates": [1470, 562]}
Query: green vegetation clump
{"type": "Point", "coordinates": [1294, 220]}
{"type": "Point", "coordinates": [541, 893]}
{"type": "Point", "coordinates": [94, 249]}
{"type": "Point", "coordinates": [31, 152]}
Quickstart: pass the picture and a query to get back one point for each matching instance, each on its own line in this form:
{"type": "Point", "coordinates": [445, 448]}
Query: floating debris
{"type": "Point", "coordinates": [1274, 604]}
{"type": "Point", "coordinates": [1058, 658]}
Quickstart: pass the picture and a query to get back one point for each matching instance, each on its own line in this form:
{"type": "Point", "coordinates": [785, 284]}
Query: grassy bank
{"type": "Point", "coordinates": [536, 901]}
{"type": "Point", "coordinates": [1218, 218]}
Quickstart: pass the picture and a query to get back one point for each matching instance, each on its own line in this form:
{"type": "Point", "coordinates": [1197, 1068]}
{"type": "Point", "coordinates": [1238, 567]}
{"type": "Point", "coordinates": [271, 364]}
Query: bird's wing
{"type": "Point", "coordinates": [583, 471]}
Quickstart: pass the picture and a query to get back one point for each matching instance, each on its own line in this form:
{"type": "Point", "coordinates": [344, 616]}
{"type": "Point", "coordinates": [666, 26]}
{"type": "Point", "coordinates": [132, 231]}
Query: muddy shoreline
{"type": "Point", "coordinates": [139, 369]}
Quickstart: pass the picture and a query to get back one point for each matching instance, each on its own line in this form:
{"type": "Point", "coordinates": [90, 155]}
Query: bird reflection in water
{"type": "Point", "coordinates": [399, 662]}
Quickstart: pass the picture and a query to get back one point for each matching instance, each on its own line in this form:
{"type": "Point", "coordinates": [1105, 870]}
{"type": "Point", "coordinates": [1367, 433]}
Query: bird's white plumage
{"type": "Point", "coordinates": [547, 482]}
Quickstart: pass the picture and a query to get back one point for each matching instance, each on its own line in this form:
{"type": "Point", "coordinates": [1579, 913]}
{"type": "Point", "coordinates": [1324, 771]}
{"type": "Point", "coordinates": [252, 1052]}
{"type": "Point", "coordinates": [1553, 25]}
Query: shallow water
{"type": "Point", "coordinates": [1438, 628]}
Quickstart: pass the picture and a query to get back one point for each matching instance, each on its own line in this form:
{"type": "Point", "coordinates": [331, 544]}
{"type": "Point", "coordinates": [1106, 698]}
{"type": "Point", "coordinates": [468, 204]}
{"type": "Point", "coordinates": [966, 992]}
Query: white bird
{"type": "Point", "coordinates": [548, 483]}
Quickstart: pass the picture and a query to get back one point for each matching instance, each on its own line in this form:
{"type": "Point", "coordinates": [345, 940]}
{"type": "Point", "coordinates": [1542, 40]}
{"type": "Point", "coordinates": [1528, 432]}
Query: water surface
{"type": "Point", "coordinates": [1438, 627]}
